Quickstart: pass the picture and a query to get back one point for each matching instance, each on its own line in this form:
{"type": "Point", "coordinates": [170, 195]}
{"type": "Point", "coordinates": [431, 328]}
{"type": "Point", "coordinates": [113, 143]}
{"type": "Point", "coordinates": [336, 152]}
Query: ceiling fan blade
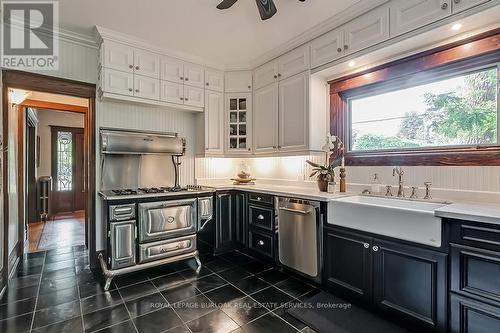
{"type": "Point", "coordinates": [267, 9]}
{"type": "Point", "coordinates": [225, 4]}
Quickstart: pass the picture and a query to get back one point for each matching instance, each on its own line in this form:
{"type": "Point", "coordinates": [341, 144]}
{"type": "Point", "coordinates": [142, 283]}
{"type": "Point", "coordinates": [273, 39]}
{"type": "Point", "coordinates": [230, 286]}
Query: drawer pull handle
{"type": "Point", "coordinates": [261, 243]}
{"type": "Point", "coordinates": [296, 211]}
{"type": "Point", "coordinates": [259, 198]}
{"type": "Point", "coordinates": [260, 217]}
{"type": "Point", "coordinates": [170, 219]}
{"type": "Point", "coordinates": [375, 248]}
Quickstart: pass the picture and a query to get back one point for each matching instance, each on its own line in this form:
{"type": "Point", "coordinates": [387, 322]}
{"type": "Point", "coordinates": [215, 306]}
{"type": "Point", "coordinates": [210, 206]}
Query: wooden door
{"type": "Point", "coordinates": [367, 30]}
{"type": "Point", "coordinates": [348, 264]}
{"type": "Point", "coordinates": [214, 80]}
{"type": "Point", "coordinates": [67, 169]}
{"type": "Point", "coordinates": [172, 92]}
{"type": "Point", "coordinates": [411, 283]}
{"type": "Point", "coordinates": [237, 82]}
{"type": "Point", "coordinates": [294, 113]}
{"type": "Point", "coordinates": [118, 56]}
{"type": "Point", "coordinates": [32, 211]}
{"type": "Point", "coordinates": [194, 96]}
{"type": "Point", "coordinates": [407, 15]}
{"type": "Point", "coordinates": [327, 48]}
{"type": "Point", "coordinates": [146, 63]}
{"type": "Point", "coordinates": [146, 87]}
{"type": "Point", "coordinates": [225, 232]}
{"type": "Point", "coordinates": [172, 70]}
{"type": "Point", "coordinates": [194, 75]}
{"type": "Point", "coordinates": [265, 74]}
{"type": "Point", "coordinates": [294, 62]}
{"type": "Point", "coordinates": [117, 82]}
{"type": "Point", "coordinates": [265, 119]}
{"type": "Point", "coordinates": [214, 122]}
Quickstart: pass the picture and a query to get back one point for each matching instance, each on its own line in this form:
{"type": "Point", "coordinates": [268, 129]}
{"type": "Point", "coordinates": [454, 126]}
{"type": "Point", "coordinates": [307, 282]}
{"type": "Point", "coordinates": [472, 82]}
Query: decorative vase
{"type": "Point", "coordinates": [323, 181]}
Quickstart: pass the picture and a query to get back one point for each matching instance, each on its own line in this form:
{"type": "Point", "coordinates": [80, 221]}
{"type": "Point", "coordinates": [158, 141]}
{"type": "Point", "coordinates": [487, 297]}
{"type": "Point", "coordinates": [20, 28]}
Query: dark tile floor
{"type": "Point", "coordinates": [55, 291]}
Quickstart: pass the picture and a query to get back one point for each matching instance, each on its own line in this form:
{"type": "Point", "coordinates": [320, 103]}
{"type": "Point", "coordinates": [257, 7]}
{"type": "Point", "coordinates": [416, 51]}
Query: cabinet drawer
{"type": "Point", "coordinates": [261, 243]}
{"type": "Point", "coordinates": [476, 234]}
{"type": "Point", "coordinates": [468, 316]}
{"type": "Point", "coordinates": [261, 217]}
{"type": "Point", "coordinates": [475, 272]}
{"type": "Point", "coordinates": [262, 199]}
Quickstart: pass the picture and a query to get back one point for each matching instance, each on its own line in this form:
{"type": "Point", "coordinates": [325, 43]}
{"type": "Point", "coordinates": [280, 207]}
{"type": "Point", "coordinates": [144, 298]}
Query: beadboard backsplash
{"type": "Point", "coordinates": [484, 180]}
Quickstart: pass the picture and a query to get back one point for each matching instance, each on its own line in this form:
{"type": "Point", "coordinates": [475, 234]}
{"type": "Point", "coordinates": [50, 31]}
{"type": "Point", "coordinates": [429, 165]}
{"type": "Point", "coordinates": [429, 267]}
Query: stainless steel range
{"type": "Point", "coordinates": [148, 226]}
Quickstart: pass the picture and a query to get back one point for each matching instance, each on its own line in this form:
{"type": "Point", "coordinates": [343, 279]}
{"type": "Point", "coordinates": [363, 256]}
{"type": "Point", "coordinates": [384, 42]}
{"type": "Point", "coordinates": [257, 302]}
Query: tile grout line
{"type": "Point", "coordinates": [126, 308]}
{"type": "Point", "coordinates": [38, 291]}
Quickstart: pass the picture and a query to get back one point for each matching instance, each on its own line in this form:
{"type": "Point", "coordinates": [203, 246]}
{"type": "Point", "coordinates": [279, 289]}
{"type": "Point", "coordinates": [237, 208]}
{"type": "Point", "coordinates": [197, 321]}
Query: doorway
{"type": "Point", "coordinates": [22, 147]}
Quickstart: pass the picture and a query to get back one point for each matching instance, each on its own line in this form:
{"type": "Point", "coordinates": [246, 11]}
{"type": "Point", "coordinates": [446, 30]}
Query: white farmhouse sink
{"type": "Point", "coordinates": [413, 221]}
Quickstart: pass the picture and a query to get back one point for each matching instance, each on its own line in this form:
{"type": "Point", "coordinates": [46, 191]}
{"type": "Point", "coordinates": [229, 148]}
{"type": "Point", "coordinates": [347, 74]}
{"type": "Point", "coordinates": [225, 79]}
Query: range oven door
{"type": "Point", "coordinates": [122, 244]}
{"type": "Point", "coordinates": [166, 219]}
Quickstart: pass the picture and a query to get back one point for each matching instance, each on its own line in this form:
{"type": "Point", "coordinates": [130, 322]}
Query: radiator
{"type": "Point", "coordinates": [44, 196]}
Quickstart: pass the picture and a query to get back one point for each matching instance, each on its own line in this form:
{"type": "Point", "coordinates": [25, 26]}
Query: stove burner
{"type": "Point", "coordinates": [124, 192]}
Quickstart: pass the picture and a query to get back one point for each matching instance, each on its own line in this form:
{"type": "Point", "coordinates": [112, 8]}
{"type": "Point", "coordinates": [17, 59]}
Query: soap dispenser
{"type": "Point", "coordinates": [376, 184]}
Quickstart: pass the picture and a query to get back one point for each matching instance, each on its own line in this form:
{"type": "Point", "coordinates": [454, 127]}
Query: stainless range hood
{"type": "Point", "coordinates": [126, 142]}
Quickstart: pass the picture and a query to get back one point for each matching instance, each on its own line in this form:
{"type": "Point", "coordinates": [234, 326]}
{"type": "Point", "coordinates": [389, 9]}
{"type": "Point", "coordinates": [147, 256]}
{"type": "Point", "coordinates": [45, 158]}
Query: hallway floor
{"type": "Point", "coordinates": [55, 291]}
{"type": "Point", "coordinates": [67, 229]}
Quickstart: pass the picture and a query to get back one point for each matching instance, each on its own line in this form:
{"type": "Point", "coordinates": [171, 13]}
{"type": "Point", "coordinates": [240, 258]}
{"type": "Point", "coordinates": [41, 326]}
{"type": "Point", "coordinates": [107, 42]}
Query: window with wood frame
{"type": "Point", "coordinates": [440, 107]}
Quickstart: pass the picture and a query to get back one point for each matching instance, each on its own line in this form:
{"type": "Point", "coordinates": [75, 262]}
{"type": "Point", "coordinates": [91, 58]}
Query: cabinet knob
{"type": "Point", "coordinates": [457, 1]}
{"type": "Point", "coordinates": [137, 90]}
{"type": "Point", "coordinates": [275, 76]}
{"type": "Point", "coordinates": [346, 47]}
{"type": "Point", "coordinates": [207, 84]}
{"type": "Point", "coordinates": [261, 243]}
{"type": "Point", "coordinates": [366, 245]}
{"type": "Point", "coordinates": [186, 79]}
{"type": "Point", "coordinates": [444, 5]}
{"type": "Point", "coordinates": [339, 50]}
{"type": "Point", "coordinates": [279, 75]}
{"type": "Point", "coordinates": [182, 78]}
{"type": "Point", "coordinates": [186, 99]}
{"type": "Point", "coordinates": [274, 147]}
{"type": "Point", "coordinates": [249, 87]}
{"type": "Point", "coordinates": [260, 217]}
{"type": "Point", "coordinates": [130, 66]}
{"type": "Point", "coordinates": [259, 198]}
{"type": "Point", "coordinates": [375, 248]}
{"type": "Point", "coordinates": [137, 67]}
{"type": "Point", "coordinates": [130, 89]}
{"type": "Point", "coordinates": [182, 98]}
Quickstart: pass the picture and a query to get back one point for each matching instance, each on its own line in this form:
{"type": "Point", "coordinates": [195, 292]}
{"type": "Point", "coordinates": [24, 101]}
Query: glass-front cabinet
{"type": "Point", "coordinates": [238, 123]}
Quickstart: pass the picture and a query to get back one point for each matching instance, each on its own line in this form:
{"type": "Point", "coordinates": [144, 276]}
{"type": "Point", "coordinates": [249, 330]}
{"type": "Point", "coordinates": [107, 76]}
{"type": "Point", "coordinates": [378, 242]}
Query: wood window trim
{"type": "Point", "coordinates": [472, 52]}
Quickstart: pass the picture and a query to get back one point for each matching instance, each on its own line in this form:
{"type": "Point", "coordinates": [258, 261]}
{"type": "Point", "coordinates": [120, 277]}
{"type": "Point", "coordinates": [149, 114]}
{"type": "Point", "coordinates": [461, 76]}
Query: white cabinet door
{"type": "Point", "coordinates": [146, 87]}
{"type": "Point", "coordinates": [118, 56]}
{"type": "Point", "coordinates": [146, 63]}
{"type": "Point", "coordinates": [294, 62]}
{"type": "Point", "coordinates": [460, 5]}
{"type": "Point", "coordinates": [172, 92]}
{"type": "Point", "coordinates": [172, 70]}
{"type": "Point", "coordinates": [407, 15]}
{"type": "Point", "coordinates": [265, 74]}
{"type": "Point", "coordinates": [327, 48]}
{"type": "Point", "coordinates": [194, 75]}
{"type": "Point", "coordinates": [239, 81]}
{"type": "Point", "coordinates": [265, 119]}
{"type": "Point", "coordinates": [294, 113]}
{"type": "Point", "coordinates": [214, 80]}
{"type": "Point", "coordinates": [194, 96]}
{"type": "Point", "coordinates": [214, 122]}
{"type": "Point", "coordinates": [118, 82]}
{"type": "Point", "coordinates": [238, 123]}
{"type": "Point", "coordinates": [367, 30]}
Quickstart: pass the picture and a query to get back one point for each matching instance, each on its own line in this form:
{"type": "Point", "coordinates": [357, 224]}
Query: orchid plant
{"type": "Point", "coordinates": [334, 155]}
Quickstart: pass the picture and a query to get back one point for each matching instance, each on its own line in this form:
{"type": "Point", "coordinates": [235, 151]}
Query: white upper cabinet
{"type": "Point", "coordinates": [146, 63]}
{"type": "Point", "coordinates": [194, 75]}
{"type": "Point", "coordinates": [407, 15]}
{"type": "Point", "coordinates": [460, 5]}
{"type": "Point", "coordinates": [118, 56]}
{"type": "Point", "coordinates": [214, 122]}
{"type": "Point", "coordinates": [265, 119]}
{"type": "Point", "coordinates": [117, 82]}
{"type": "Point", "coordinates": [194, 96]}
{"type": "Point", "coordinates": [172, 70]}
{"type": "Point", "coordinates": [367, 30]}
{"type": "Point", "coordinates": [294, 62]}
{"type": "Point", "coordinates": [214, 80]}
{"type": "Point", "coordinates": [327, 48]}
{"type": "Point", "coordinates": [265, 74]}
{"type": "Point", "coordinates": [294, 113]}
{"type": "Point", "coordinates": [172, 92]}
{"type": "Point", "coordinates": [146, 87]}
{"type": "Point", "coordinates": [238, 81]}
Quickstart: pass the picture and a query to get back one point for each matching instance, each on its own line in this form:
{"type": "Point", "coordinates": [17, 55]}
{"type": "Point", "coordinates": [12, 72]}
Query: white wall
{"type": "Point", "coordinates": [47, 118]}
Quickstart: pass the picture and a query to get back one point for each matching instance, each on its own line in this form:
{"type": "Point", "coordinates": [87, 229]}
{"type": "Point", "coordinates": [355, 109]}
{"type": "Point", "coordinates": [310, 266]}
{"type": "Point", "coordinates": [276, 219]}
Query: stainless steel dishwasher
{"type": "Point", "coordinates": [299, 236]}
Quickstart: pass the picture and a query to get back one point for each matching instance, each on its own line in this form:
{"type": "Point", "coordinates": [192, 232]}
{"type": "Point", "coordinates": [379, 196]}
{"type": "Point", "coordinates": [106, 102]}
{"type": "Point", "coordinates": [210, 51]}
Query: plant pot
{"type": "Point", "coordinates": [322, 184]}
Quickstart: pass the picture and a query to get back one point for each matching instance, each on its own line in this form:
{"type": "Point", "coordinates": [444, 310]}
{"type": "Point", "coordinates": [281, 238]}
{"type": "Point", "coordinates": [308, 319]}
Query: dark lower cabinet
{"type": "Point", "coordinates": [471, 316]}
{"type": "Point", "coordinates": [406, 282]}
{"type": "Point", "coordinates": [349, 264]}
{"type": "Point", "coordinates": [410, 281]}
{"type": "Point", "coordinates": [231, 227]}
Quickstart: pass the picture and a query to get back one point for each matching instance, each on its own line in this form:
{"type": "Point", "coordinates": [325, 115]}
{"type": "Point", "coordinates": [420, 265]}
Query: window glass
{"type": "Point", "coordinates": [457, 111]}
{"type": "Point", "coordinates": [64, 161]}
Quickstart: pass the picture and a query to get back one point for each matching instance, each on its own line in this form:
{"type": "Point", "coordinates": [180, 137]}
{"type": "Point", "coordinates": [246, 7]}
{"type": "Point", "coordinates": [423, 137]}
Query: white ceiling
{"type": "Point", "coordinates": [230, 38]}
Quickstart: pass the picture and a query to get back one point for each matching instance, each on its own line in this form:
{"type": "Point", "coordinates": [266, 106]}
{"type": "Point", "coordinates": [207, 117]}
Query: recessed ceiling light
{"type": "Point", "coordinates": [351, 64]}
{"type": "Point", "coordinates": [456, 27]}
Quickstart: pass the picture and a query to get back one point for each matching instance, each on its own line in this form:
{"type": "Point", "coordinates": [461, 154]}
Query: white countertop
{"type": "Point", "coordinates": [478, 212]}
